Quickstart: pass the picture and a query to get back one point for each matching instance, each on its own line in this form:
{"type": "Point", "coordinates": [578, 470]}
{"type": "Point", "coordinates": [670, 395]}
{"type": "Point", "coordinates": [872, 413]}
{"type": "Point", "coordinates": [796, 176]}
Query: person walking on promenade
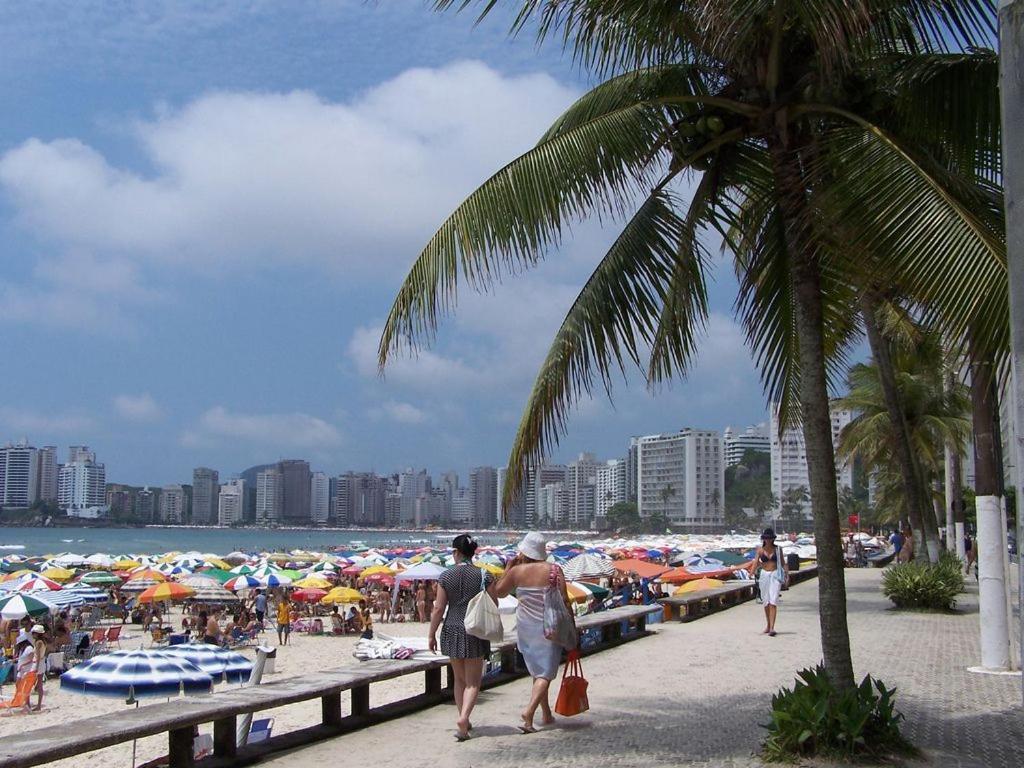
{"type": "Point", "coordinates": [896, 539]}
{"type": "Point", "coordinates": [774, 575]}
{"type": "Point", "coordinates": [284, 620]}
{"type": "Point", "coordinates": [529, 574]}
{"type": "Point", "coordinates": [455, 588]}
{"type": "Point", "coordinates": [259, 605]}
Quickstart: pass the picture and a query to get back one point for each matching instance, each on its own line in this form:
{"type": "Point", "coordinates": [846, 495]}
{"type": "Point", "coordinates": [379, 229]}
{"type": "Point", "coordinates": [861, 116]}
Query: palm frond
{"type": "Point", "coordinates": [611, 322]}
{"type": "Point", "coordinates": [514, 217]}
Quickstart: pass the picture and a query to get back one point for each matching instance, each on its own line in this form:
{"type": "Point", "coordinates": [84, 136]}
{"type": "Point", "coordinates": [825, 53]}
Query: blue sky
{"type": "Point", "coordinates": [206, 207]}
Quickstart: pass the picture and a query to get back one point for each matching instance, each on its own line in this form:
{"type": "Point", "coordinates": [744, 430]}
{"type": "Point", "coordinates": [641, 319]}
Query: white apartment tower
{"type": "Point", "coordinates": [81, 483]}
{"type": "Point", "coordinates": [19, 475]}
{"type": "Point", "coordinates": [319, 498]}
{"type": "Point", "coordinates": [172, 505]}
{"type": "Point", "coordinates": [231, 502]}
{"type": "Point", "coordinates": [48, 473]}
{"type": "Point", "coordinates": [205, 488]}
{"type": "Point", "coordinates": [753, 438]}
{"type": "Point", "coordinates": [789, 456]}
{"type": "Point", "coordinates": [610, 488]}
{"type": "Point", "coordinates": [581, 491]}
{"type": "Point", "coordinates": [552, 509]}
{"type": "Point", "coordinates": [681, 475]}
{"type": "Point", "coordinates": [269, 496]}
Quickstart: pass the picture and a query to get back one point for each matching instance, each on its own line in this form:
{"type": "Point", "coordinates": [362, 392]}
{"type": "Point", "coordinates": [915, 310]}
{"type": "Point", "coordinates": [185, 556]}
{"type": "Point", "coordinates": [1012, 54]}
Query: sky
{"type": "Point", "coordinates": [206, 208]}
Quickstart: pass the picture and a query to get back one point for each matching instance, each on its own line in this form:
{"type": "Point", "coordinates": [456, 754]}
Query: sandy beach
{"type": "Point", "coordinates": [303, 654]}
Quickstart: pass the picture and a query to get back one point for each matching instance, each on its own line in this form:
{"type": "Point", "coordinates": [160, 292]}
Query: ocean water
{"type": "Point", "coordinates": [85, 541]}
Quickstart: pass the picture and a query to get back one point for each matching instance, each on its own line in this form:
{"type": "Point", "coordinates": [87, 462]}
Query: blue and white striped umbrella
{"type": "Point", "coordinates": [275, 580]}
{"type": "Point", "coordinates": [135, 674]}
{"type": "Point", "coordinates": [244, 581]}
{"type": "Point", "coordinates": [702, 564]}
{"type": "Point", "coordinates": [88, 593]}
{"type": "Point", "coordinates": [65, 598]}
{"type": "Point", "coordinates": [219, 663]}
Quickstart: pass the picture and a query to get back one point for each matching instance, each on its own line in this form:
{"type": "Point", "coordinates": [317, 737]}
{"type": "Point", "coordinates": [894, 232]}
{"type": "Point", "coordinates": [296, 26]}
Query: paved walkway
{"type": "Point", "coordinates": [694, 695]}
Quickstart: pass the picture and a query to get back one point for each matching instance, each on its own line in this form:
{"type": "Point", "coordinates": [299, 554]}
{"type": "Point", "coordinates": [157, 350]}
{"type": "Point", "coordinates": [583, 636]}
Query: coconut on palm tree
{"type": "Point", "coordinates": [819, 144]}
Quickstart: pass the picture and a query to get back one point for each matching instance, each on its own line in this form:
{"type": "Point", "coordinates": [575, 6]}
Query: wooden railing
{"type": "Point", "coordinates": [180, 717]}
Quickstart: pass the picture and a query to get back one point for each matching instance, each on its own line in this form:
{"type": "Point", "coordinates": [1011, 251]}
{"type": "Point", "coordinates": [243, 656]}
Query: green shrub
{"type": "Point", "coordinates": [815, 719]}
{"type": "Point", "coordinates": [952, 568]}
{"type": "Point", "coordinates": [922, 585]}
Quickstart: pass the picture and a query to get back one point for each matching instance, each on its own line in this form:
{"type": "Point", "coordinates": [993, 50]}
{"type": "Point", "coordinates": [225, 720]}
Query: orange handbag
{"type": "Point", "coordinates": [572, 695]}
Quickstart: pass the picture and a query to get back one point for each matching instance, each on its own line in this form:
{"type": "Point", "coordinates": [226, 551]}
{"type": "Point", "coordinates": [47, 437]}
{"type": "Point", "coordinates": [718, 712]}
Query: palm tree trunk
{"type": "Point", "coordinates": [988, 486]}
{"type": "Point", "coordinates": [922, 517]}
{"type": "Point", "coordinates": [816, 414]}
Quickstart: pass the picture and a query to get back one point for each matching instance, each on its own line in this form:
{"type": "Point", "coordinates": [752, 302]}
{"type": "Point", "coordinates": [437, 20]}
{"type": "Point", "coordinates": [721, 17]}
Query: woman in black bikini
{"type": "Point", "coordinates": [774, 575]}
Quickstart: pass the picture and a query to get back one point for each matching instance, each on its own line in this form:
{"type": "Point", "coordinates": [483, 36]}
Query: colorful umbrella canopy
{"type": "Point", "coordinates": [213, 595]}
{"type": "Point", "coordinates": [314, 582]}
{"type": "Point", "coordinates": [99, 577]}
{"type": "Point", "coordinates": [374, 569]}
{"type": "Point", "coordinates": [135, 674]}
{"type": "Point", "coordinates": [220, 574]}
{"type": "Point", "coordinates": [728, 558]}
{"type": "Point", "coordinates": [147, 574]}
{"type": "Point", "coordinates": [58, 574]}
{"type": "Point", "coordinates": [243, 569]}
{"type": "Point", "coordinates": [342, 595]}
{"type": "Point", "coordinates": [245, 581]}
{"type": "Point", "coordinates": [696, 585]}
{"type": "Point", "coordinates": [169, 590]}
{"type": "Point", "coordinates": [124, 564]}
{"type": "Point", "coordinates": [19, 604]}
{"type": "Point", "coordinates": [309, 595]}
{"type": "Point", "coordinates": [588, 566]}
{"type": "Point", "coordinates": [641, 568]}
{"type": "Point", "coordinates": [86, 592]}
{"type": "Point", "coordinates": [100, 560]}
{"type": "Point", "coordinates": [38, 584]}
{"type": "Point", "coordinates": [274, 580]}
{"type": "Point", "coordinates": [581, 590]}
{"type": "Point", "coordinates": [219, 663]}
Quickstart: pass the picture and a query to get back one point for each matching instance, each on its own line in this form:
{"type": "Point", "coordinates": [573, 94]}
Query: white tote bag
{"type": "Point", "coordinates": [482, 617]}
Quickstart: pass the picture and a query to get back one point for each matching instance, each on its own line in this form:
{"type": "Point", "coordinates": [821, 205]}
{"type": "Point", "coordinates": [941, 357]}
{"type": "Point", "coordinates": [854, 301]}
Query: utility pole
{"type": "Point", "coordinates": [1011, 50]}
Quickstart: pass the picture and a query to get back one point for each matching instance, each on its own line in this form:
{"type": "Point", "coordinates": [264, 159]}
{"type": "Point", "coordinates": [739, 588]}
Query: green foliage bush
{"type": "Point", "coordinates": [815, 719]}
{"type": "Point", "coordinates": [923, 585]}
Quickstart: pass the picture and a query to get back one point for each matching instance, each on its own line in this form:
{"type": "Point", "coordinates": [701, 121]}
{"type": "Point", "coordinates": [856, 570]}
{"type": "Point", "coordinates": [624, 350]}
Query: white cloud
{"type": "Point", "coordinates": [285, 177]}
{"type": "Point", "coordinates": [28, 422]}
{"type": "Point", "coordinates": [399, 412]}
{"type": "Point", "coordinates": [137, 407]}
{"type": "Point", "coordinates": [284, 430]}
{"type": "Point", "coordinates": [424, 371]}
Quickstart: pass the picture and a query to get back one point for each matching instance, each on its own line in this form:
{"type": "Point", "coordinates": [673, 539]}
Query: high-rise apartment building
{"type": "Point", "coordinates": [753, 438]}
{"type": "Point", "coordinates": [610, 486]}
{"type": "Point", "coordinates": [483, 489]}
{"type": "Point", "coordinates": [789, 458]}
{"type": "Point", "coordinates": [172, 505]}
{"type": "Point", "coordinates": [122, 500]}
{"type": "Point", "coordinates": [681, 476]}
{"type": "Point", "coordinates": [231, 503]}
{"type": "Point", "coordinates": [205, 489]}
{"type": "Point", "coordinates": [581, 492]}
{"type": "Point", "coordinates": [319, 498]}
{"type": "Point", "coordinates": [463, 514]}
{"type": "Point", "coordinates": [524, 510]}
{"type": "Point", "coordinates": [48, 473]}
{"type": "Point", "coordinates": [19, 475]}
{"type": "Point", "coordinates": [82, 484]}
{"type": "Point", "coordinates": [295, 479]}
{"type": "Point", "coordinates": [632, 460]}
{"type": "Point", "coordinates": [551, 505]}
{"type": "Point", "coordinates": [148, 505]}
{"type": "Point", "coordinates": [413, 485]}
{"type": "Point", "coordinates": [269, 496]}
{"type": "Point", "coordinates": [359, 499]}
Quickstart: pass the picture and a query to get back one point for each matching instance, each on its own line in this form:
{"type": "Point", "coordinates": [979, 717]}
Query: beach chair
{"type": "Point", "coordinates": [22, 692]}
{"type": "Point", "coordinates": [260, 730]}
{"type": "Point", "coordinates": [114, 635]}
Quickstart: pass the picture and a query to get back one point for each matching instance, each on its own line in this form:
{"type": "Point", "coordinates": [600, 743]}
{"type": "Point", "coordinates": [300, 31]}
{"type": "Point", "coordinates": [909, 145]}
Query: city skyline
{"type": "Point", "coordinates": [202, 302]}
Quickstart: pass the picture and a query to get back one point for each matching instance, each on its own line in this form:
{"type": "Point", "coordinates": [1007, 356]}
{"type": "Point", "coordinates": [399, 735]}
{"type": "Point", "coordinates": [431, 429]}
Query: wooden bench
{"type": "Point", "coordinates": [702, 602]}
{"type": "Point", "coordinates": [806, 572]}
{"type": "Point", "coordinates": [178, 718]}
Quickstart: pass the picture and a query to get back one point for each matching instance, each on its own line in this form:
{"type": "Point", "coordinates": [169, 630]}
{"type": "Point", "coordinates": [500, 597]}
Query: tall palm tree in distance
{"type": "Point", "coordinates": [794, 122]}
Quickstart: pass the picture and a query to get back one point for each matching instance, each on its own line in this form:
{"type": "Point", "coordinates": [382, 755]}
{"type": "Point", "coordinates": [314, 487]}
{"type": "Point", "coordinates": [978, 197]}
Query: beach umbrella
{"type": "Point", "coordinates": [313, 582]}
{"type": "Point", "coordinates": [58, 574]}
{"type": "Point", "coordinates": [100, 560]}
{"type": "Point", "coordinates": [581, 590]}
{"type": "Point", "coordinates": [265, 570]}
{"type": "Point", "coordinates": [200, 581]}
{"type": "Point", "coordinates": [494, 570]}
{"type": "Point", "coordinates": [146, 574]}
{"type": "Point", "coordinates": [385, 569]}
{"type": "Point", "coordinates": [86, 592]}
{"type": "Point", "coordinates": [342, 595]}
{"type": "Point", "coordinates": [213, 595]}
{"type": "Point", "coordinates": [274, 580]}
{"type": "Point", "coordinates": [99, 577]}
{"type": "Point", "coordinates": [420, 571]}
{"type": "Point", "coordinates": [728, 558]}
{"type": "Point", "coordinates": [697, 585]}
{"type": "Point", "coordinates": [703, 564]}
{"type": "Point", "coordinates": [66, 598]}
{"type": "Point", "coordinates": [166, 592]}
{"type": "Point", "coordinates": [37, 584]}
{"type": "Point", "coordinates": [245, 581]}
{"type": "Point", "coordinates": [243, 569]}
{"type": "Point", "coordinates": [170, 569]}
{"type": "Point", "coordinates": [124, 564]}
{"type": "Point", "coordinates": [219, 663]}
{"type": "Point", "coordinates": [71, 560]}
{"type": "Point", "coordinates": [220, 574]}
{"type": "Point", "coordinates": [19, 604]}
{"type": "Point", "coordinates": [139, 585]}
{"type": "Point", "coordinates": [309, 595]}
{"type": "Point", "coordinates": [136, 674]}
{"type": "Point", "coordinates": [588, 566]}
{"type": "Point", "coordinates": [235, 558]}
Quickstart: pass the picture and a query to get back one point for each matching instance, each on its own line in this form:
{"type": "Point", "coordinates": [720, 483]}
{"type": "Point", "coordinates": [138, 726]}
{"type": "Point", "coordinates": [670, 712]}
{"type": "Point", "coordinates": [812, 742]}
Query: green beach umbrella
{"type": "Point", "coordinates": [18, 605]}
{"type": "Point", "coordinates": [100, 577]}
{"type": "Point", "coordinates": [216, 573]}
{"type": "Point", "coordinates": [727, 558]}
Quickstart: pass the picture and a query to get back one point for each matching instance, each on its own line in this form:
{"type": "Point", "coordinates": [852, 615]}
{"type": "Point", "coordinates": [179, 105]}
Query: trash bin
{"type": "Point", "coordinates": [793, 561]}
{"type": "Point", "coordinates": [268, 668]}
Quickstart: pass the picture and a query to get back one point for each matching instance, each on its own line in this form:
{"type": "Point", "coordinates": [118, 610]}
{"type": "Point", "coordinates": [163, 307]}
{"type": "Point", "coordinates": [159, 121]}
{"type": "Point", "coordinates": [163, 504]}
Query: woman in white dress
{"type": "Point", "coordinates": [773, 577]}
{"type": "Point", "coordinates": [529, 574]}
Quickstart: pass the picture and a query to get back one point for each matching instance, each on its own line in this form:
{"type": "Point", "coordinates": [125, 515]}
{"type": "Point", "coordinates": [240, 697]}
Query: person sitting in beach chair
{"type": "Point", "coordinates": [337, 622]}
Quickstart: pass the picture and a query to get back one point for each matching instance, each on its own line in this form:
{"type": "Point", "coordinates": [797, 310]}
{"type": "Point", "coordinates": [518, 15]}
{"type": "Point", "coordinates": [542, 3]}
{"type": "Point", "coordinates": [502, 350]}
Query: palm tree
{"type": "Point", "coordinates": [791, 118]}
{"type": "Point", "coordinates": [933, 415]}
